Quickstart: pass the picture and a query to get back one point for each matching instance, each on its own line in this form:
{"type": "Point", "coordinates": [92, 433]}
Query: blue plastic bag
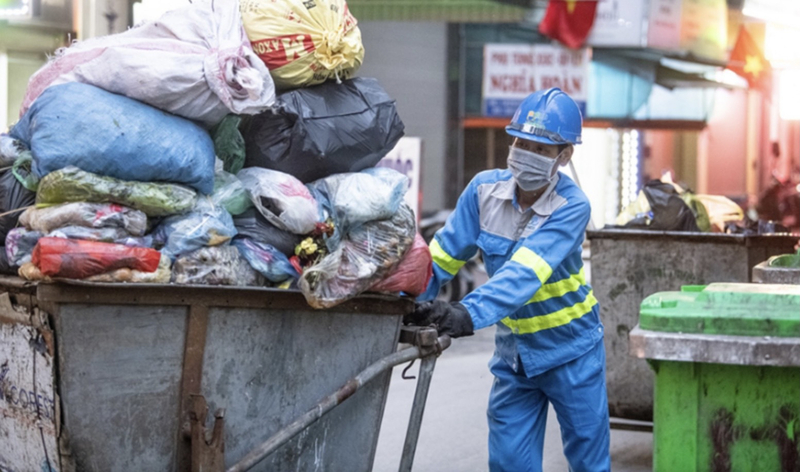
{"type": "Point", "coordinates": [206, 225]}
{"type": "Point", "coordinates": [267, 260]}
{"type": "Point", "coordinates": [81, 125]}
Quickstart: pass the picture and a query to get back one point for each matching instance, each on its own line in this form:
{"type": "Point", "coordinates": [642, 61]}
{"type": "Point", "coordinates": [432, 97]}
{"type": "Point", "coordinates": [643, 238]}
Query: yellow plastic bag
{"type": "Point", "coordinates": [721, 210]}
{"type": "Point", "coordinates": [303, 42]}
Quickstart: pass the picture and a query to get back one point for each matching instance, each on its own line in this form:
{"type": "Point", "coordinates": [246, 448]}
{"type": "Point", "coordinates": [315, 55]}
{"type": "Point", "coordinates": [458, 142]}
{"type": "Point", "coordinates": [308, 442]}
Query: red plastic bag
{"type": "Point", "coordinates": [78, 259]}
{"type": "Point", "coordinates": [413, 273]}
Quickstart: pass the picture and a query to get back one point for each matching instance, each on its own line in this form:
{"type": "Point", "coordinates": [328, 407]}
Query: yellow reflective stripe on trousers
{"type": "Point", "coordinates": [534, 262]}
{"type": "Point", "coordinates": [560, 288]}
{"type": "Point", "coordinates": [552, 320]}
{"type": "Point", "coordinates": [444, 260]}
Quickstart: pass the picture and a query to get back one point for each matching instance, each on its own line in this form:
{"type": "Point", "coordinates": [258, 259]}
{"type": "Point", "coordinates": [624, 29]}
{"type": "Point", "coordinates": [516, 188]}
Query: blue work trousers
{"type": "Point", "coordinates": [518, 414]}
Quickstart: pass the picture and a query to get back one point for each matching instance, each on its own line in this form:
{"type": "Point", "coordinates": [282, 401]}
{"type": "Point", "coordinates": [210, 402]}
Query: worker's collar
{"type": "Point", "coordinates": [545, 205]}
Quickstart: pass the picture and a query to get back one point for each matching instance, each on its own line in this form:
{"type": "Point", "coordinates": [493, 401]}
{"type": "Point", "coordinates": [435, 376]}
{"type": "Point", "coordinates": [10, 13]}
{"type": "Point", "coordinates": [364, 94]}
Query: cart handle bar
{"type": "Point", "coordinates": [351, 387]}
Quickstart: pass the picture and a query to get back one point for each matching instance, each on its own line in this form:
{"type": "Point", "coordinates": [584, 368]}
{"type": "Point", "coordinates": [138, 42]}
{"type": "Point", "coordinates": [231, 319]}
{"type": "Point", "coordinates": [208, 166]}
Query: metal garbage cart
{"type": "Point", "coordinates": [727, 376]}
{"type": "Point", "coordinates": [628, 265]}
{"type": "Point", "coordinates": [120, 377]}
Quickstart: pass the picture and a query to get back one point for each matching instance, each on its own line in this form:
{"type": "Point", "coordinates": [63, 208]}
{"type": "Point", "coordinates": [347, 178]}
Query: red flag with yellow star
{"type": "Point", "coordinates": [568, 21]}
{"type": "Point", "coordinates": [748, 61]}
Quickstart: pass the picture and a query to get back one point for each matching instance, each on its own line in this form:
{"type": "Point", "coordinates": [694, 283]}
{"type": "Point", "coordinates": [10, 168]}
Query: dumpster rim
{"type": "Point", "coordinates": [714, 348]}
{"type": "Point", "coordinates": [686, 236]}
{"type": "Point", "coordinates": [222, 296]}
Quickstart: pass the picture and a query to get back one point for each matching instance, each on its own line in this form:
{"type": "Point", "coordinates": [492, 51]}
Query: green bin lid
{"type": "Point", "coordinates": [725, 308]}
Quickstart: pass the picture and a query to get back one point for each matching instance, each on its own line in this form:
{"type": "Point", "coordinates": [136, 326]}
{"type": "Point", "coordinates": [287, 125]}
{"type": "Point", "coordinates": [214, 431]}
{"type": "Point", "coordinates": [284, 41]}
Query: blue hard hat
{"type": "Point", "coordinates": [547, 116]}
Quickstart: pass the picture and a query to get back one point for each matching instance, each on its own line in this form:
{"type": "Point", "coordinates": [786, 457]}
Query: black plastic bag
{"type": "Point", "coordinates": [13, 196]}
{"type": "Point", "coordinates": [5, 267]}
{"type": "Point", "coordinates": [252, 224]}
{"type": "Point", "coordinates": [669, 211]}
{"type": "Point", "coordinates": [323, 130]}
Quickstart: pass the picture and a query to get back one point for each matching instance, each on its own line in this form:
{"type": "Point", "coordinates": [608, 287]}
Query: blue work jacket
{"type": "Point", "coordinates": [537, 293]}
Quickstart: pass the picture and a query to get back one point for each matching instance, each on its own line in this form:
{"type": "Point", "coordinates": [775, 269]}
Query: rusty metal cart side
{"type": "Point", "coordinates": [134, 369]}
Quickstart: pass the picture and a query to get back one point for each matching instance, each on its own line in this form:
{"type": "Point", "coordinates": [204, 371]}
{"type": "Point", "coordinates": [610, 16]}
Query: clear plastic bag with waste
{"type": "Point", "coordinates": [221, 265]}
{"type": "Point", "coordinates": [19, 245]}
{"type": "Point", "coordinates": [358, 197]}
{"type": "Point", "coordinates": [365, 256]}
{"type": "Point", "coordinates": [413, 273]}
{"type": "Point", "coordinates": [252, 224]}
{"type": "Point", "coordinates": [206, 225]}
{"type": "Point", "coordinates": [281, 198]}
{"type": "Point", "coordinates": [266, 259]}
{"type": "Point", "coordinates": [88, 215]}
{"type": "Point", "coordinates": [229, 193]}
{"type": "Point", "coordinates": [104, 235]}
{"type": "Point", "coordinates": [71, 184]}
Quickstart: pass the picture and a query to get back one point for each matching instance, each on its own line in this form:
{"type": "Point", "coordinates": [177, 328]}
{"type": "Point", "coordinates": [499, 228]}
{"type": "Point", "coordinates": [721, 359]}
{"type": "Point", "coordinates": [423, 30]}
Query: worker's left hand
{"type": "Point", "coordinates": [451, 319]}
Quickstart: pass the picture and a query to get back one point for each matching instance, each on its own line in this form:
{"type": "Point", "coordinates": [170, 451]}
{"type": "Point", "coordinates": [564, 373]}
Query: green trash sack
{"type": "Point", "coordinates": [71, 184]}
{"type": "Point", "coordinates": [229, 193]}
{"type": "Point", "coordinates": [229, 143]}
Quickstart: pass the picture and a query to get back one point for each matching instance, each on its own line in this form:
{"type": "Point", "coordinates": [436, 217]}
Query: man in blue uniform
{"type": "Point", "coordinates": [528, 222]}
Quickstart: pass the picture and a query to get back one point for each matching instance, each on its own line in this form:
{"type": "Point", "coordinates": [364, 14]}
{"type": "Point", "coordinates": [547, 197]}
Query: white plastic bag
{"type": "Point", "coordinates": [282, 199]}
{"type": "Point", "coordinates": [194, 62]}
{"type": "Point", "coordinates": [358, 197]}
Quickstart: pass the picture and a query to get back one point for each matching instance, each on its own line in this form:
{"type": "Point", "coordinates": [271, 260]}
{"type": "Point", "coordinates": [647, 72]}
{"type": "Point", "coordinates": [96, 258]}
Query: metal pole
{"type": "Point", "coordinates": [418, 408]}
{"type": "Point", "coordinates": [281, 437]}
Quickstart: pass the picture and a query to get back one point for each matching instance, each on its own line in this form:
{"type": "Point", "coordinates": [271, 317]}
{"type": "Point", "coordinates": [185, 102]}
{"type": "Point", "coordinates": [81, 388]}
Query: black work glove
{"type": "Point", "coordinates": [451, 319]}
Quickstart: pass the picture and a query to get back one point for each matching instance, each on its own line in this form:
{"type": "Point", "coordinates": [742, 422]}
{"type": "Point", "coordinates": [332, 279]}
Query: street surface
{"type": "Point", "coordinates": [454, 430]}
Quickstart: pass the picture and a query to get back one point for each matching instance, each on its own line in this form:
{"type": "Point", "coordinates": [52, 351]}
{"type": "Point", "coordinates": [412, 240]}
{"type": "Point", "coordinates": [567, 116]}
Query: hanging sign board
{"type": "Point", "coordinates": [619, 23]}
{"type": "Point", "coordinates": [511, 72]}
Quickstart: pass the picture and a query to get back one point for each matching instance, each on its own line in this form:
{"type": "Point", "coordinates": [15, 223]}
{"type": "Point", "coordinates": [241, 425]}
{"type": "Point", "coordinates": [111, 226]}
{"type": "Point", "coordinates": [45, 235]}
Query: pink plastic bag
{"type": "Point", "coordinates": [195, 62]}
{"type": "Point", "coordinates": [413, 273]}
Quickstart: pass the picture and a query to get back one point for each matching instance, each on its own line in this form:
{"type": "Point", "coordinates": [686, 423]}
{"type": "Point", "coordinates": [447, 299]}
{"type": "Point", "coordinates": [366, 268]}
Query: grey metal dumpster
{"type": "Point", "coordinates": [108, 377]}
{"type": "Point", "coordinates": [629, 265]}
{"type": "Point", "coordinates": [768, 273]}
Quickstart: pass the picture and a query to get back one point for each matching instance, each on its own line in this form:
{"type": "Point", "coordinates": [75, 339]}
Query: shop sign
{"type": "Point", "coordinates": [664, 28]}
{"type": "Point", "coordinates": [511, 72]}
{"type": "Point", "coordinates": [619, 23]}
{"type": "Point", "coordinates": [704, 28]}
{"type": "Point", "coordinates": [694, 26]}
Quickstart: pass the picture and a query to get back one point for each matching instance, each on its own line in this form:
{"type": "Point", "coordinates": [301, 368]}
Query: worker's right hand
{"type": "Point", "coordinates": [451, 319]}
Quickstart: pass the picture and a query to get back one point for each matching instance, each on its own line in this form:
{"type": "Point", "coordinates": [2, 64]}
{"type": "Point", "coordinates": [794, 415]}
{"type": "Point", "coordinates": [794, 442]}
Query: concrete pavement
{"type": "Point", "coordinates": [454, 430]}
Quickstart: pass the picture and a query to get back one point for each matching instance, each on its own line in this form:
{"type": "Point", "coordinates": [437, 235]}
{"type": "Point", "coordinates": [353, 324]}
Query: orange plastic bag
{"type": "Point", "coordinates": [78, 259]}
{"type": "Point", "coordinates": [303, 42]}
{"type": "Point", "coordinates": [413, 273]}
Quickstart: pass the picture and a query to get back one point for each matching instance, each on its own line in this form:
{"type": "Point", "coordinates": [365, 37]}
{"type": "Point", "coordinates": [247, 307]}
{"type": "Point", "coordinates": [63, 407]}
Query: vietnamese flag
{"type": "Point", "coordinates": [748, 61]}
{"type": "Point", "coordinates": [568, 21]}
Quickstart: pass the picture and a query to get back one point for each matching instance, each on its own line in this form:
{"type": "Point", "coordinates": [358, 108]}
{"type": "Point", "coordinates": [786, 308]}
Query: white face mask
{"type": "Point", "coordinates": [531, 171]}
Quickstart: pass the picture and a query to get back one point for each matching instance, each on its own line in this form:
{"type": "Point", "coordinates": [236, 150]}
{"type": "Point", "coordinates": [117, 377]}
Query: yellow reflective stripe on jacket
{"type": "Point", "coordinates": [560, 288]}
{"type": "Point", "coordinates": [445, 260]}
{"type": "Point", "coordinates": [552, 320]}
{"type": "Point", "coordinates": [533, 261]}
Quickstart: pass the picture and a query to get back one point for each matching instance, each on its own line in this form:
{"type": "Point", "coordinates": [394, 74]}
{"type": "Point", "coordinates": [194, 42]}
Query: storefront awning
{"type": "Point", "coordinates": [451, 11]}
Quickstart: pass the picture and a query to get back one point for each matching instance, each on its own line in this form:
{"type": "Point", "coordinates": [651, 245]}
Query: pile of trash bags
{"type": "Point", "coordinates": [663, 205]}
{"type": "Point", "coordinates": [163, 155]}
